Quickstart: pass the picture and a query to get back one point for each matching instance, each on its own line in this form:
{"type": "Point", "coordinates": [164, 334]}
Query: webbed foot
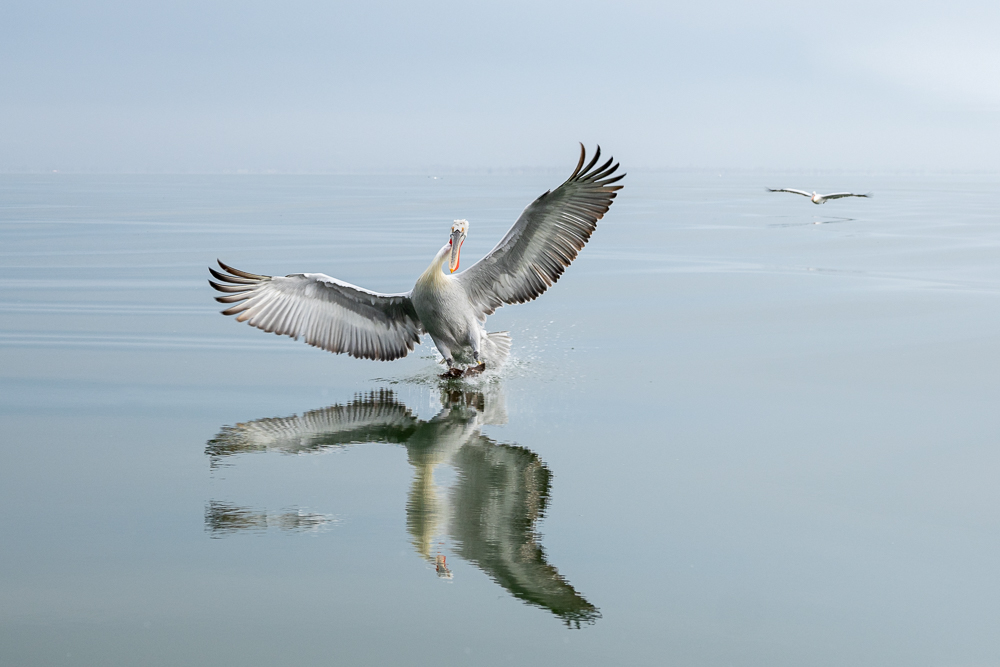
{"type": "Point", "coordinates": [475, 370]}
{"type": "Point", "coordinates": [451, 374]}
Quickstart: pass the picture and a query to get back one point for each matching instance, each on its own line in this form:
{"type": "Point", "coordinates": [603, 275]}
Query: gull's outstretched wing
{"type": "Point", "coordinates": [840, 195]}
{"type": "Point", "coordinates": [796, 192]}
{"type": "Point", "coordinates": [544, 240]}
{"type": "Point", "coordinates": [324, 311]}
{"type": "Point", "coordinates": [376, 417]}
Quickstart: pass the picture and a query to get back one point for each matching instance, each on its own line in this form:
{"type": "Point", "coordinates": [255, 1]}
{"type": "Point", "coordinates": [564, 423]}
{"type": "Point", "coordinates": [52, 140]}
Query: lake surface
{"type": "Point", "coordinates": [741, 430]}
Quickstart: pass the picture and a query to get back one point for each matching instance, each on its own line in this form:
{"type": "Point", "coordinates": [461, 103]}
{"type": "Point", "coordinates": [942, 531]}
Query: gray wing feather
{"type": "Point", "coordinates": [501, 495]}
{"type": "Point", "coordinates": [323, 311]}
{"type": "Point", "coordinates": [797, 192]}
{"type": "Point", "coordinates": [840, 195]}
{"type": "Point", "coordinates": [545, 239]}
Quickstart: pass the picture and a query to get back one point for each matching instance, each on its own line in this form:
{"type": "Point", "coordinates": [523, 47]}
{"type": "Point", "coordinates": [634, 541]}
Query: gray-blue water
{"type": "Point", "coordinates": [728, 436]}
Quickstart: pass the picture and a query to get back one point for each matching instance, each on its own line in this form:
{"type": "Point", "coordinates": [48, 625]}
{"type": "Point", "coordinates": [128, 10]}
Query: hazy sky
{"type": "Point", "coordinates": [328, 86]}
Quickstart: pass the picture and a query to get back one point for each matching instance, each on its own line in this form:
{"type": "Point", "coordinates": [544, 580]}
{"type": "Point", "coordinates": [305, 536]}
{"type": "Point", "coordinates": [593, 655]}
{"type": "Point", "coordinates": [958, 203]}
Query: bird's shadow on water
{"type": "Point", "coordinates": [490, 512]}
{"type": "Point", "coordinates": [828, 220]}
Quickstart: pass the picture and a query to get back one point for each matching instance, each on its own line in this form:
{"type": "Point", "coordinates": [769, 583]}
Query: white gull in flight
{"type": "Point", "coordinates": [819, 199]}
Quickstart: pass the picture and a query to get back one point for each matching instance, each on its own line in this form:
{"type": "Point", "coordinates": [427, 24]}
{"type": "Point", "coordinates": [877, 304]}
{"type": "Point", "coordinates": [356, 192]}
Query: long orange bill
{"type": "Point", "coordinates": [457, 238]}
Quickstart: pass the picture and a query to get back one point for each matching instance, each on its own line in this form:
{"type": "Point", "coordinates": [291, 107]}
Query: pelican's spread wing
{"type": "Point", "coordinates": [544, 240]}
{"type": "Point", "coordinates": [839, 195]}
{"type": "Point", "coordinates": [324, 311]}
{"type": "Point", "coordinates": [796, 192]}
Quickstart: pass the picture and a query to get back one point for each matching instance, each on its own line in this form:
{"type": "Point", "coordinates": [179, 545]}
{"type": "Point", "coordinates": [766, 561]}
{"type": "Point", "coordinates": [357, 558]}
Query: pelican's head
{"type": "Point", "coordinates": [458, 232]}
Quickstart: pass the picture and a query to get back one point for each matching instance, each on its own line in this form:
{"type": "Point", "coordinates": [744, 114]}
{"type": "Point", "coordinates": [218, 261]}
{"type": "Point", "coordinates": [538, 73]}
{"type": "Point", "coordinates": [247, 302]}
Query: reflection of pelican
{"type": "Point", "coordinates": [491, 512]}
{"type": "Point", "coordinates": [819, 199]}
{"type": "Point", "coordinates": [340, 317]}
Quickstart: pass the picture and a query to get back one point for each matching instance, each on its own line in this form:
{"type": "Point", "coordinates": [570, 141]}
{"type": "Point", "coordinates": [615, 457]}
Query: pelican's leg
{"type": "Point", "coordinates": [445, 351]}
{"type": "Point", "coordinates": [474, 344]}
{"type": "Point", "coordinates": [475, 339]}
{"type": "Point", "coordinates": [476, 335]}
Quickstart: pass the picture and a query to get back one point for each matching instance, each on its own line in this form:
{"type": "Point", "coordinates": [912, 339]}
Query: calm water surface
{"type": "Point", "coordinates": [741, 430]}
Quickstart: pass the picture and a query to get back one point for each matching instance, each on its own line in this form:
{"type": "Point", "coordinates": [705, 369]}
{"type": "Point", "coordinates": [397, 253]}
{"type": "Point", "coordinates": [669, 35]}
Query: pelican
{"type": "Point", "coordinates": [343, 318]}
{"type": "Point", "coordinates": [819, 199]}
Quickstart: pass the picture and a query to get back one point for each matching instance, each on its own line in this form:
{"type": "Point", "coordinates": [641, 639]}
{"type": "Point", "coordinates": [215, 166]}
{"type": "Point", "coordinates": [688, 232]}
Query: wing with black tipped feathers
{"type": "Point", "coordinates": [545, 239]}
{"type": "Point", "coordinates": [326, 312]}
{"type": "Point", "coordinates": [841, 195]}
{"type": "Point", "coordinates": [376, 417]}
{"type": "Point", "coordinates": [796, 192]}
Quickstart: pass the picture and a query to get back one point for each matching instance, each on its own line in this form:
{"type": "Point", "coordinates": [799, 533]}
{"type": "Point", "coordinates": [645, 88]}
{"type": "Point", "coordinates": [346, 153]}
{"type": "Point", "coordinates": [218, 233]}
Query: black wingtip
{"type": "Point", "coordinates": [605, 170]}
{"type": "Point", "coordinates": [242, 274]}
{"type": "Point", "coordinates": [579, 164]}
{"type": "Point", "coordinates": [593, 160]}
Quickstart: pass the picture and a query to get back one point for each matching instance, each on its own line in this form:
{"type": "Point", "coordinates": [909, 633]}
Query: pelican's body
{"type": "Point", "coordinates": [449, 317]}
{"type": "Point", "coordinates": [817, 198]}
{"type": "Point", "coordinates": [452, 309]}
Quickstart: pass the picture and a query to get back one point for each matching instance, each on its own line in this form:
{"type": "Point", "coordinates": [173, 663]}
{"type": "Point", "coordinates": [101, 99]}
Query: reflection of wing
{"type": "Point", "coordinates": [795, 192]}
{"type": "Point", "coordinates": [377, 417]}
{"type": "Point", "coordinates": [501, 493]}
{"type": "Point", "coordinates": [840, 195]}
{"type": "Point", "coordinates": [225, 518]}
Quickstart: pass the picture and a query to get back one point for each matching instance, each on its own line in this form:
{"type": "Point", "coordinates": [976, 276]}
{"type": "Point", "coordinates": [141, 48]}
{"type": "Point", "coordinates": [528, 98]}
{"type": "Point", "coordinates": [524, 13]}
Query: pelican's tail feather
{"type": "Point", "coordinates": [499, 346]}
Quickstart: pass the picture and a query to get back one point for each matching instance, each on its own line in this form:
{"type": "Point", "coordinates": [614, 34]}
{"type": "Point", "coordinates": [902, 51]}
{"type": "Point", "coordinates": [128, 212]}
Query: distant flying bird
{"type": "Point", "coordinates": [340, 317]}
{"type": "Point", "coordinates": [819, 199]}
